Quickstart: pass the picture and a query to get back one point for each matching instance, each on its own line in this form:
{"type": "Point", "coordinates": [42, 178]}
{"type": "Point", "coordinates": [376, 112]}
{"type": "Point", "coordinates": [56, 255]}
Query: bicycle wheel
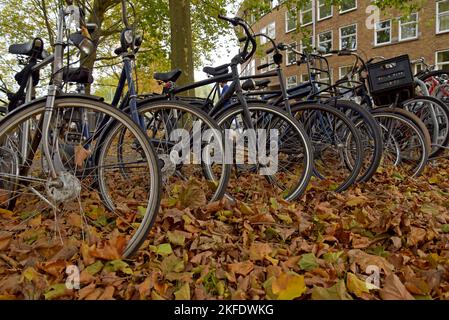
{"type": "Point", "coordinates": [335, 140]}
{"type": "Point", "coordinates": [406, 144]}
{"type": "Point", "coordinates": [53, 217]}
{"type": "Point", "coordinates": [437, 82]}
{"type": "Point", "coordinates": [435, 115]}
{"type": "Point", "coordinates": [179, 131]}
{"type": "Point", "coordinates": [285, 172]}
{"type": "Point", "coordinates": [370, 134]}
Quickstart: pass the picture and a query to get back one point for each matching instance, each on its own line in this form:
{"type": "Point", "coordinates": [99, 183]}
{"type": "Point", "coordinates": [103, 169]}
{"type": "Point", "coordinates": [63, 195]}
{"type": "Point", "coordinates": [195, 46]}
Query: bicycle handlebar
{"type": "Point", "coordinates": [249, 39]}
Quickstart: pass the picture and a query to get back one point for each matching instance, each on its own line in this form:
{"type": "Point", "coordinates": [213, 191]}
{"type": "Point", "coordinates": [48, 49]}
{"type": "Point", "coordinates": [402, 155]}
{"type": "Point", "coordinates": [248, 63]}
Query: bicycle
{"type": "Point", "coordinates": [70, 132]}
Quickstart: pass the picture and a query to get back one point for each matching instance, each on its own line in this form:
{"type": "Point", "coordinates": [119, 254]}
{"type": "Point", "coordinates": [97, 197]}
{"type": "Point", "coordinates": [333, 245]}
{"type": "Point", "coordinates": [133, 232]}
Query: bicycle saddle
{"type": "Point", "coordinates": [33, 48]}
{"type": "Point", "coordinates": [217, 71]}
{"type": "Point", "coordinates": [251, 84]}
{"type": "Point", "coordinates": [168, 76]}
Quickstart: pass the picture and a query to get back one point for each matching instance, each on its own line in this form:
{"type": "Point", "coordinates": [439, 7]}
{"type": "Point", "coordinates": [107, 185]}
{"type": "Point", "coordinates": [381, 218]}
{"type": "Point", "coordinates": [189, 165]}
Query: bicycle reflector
{"type": "Point", "coordinates": [82, 43]}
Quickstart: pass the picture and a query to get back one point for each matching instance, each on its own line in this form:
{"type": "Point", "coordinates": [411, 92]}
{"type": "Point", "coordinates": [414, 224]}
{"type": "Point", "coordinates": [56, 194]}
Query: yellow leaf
{"type": "Point", "coordinates": [355, 201]}
{"type": "Point", "coordinates": [356, 286]}
{"type": "Point", "coordinates": [183, 293]}
{"type": "Point", "coordinates": [289, 286]}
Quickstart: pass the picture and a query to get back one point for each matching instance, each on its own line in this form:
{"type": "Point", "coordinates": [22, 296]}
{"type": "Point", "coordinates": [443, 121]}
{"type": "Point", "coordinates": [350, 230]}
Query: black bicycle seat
{"type": "Point", "coordinates": [217, 71]}
{"type": "Point", "coordinates": [252, 84]}
{"type": "Point", "coordinates": [168, 76]}
{"type": "Point", "coordinates": [33, 48]}
{"type": "Point", "coordinates": [262, 83]}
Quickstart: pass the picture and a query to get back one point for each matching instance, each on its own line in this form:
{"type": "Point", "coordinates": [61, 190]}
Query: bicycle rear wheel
{"type": "Point", "coordinates": [370, 134]}
{"type": "Point", "coordinates": [53, 218]}
{"type": "Point", "coordinates": [284, 172]}
{"type": "Point", "coordinates": [335, 141]}
{"type": "Point", "coordinates": [406, 144]}
{"type": "Point", "coordinates": [435, 115]}
{"type": "Point", "coordinates": [181, 134]}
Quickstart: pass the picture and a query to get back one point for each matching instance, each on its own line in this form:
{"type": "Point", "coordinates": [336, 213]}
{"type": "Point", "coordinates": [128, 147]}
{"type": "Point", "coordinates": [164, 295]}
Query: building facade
{"type": "Point", "coordinates": [353, 25]}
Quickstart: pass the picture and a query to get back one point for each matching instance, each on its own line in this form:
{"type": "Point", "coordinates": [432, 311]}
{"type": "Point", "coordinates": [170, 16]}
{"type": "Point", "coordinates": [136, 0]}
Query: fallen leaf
{"type": "Point", "coordinates": [288, 286]}
{"type": "Point", "coordinates": [394, 289]}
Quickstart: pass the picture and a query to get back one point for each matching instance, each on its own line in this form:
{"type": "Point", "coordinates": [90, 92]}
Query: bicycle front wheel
{"type": "Point", "coordinates": [52, 218]}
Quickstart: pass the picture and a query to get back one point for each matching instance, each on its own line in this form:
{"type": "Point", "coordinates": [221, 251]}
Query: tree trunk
{"type": "Point", "coordinates": [181, 40]}
{"type": "Point", "coordinates": [97, 16]}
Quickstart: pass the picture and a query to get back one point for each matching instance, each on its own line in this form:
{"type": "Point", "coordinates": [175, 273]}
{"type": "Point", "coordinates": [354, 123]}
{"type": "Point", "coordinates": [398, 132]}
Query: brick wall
{"type": "Point", "coordinates": [425, 45]}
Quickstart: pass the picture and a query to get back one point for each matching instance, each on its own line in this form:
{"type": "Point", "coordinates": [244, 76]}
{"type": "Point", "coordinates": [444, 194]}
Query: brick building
{"type": "Point", "coordinates": [422, 34]}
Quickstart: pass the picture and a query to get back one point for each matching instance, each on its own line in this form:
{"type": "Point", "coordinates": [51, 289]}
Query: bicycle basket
{"type": "Point", "coordinates": [391, 80]}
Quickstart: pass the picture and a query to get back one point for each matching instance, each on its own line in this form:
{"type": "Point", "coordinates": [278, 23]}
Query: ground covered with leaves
{"type": "Point", "coordinates": [386, 239]}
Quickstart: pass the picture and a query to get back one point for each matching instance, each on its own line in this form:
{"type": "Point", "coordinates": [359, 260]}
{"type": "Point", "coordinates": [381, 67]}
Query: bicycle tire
{"type": "Point", "coordinates": [337, 117]}
{"type": "Point", "coordinates": [37, 109]}
{"type": "Point", "coordinates": [280, 118]}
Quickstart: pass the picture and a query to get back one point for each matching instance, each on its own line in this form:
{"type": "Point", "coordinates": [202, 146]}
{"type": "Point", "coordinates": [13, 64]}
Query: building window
{"type": "Point", "coordinates": [325, 77]}
{"type": "Point", "coordinates": [325, 40]}
{"type": "Point", "coordinates": [290, 20]}
{"type": "Point", "coordinates": [418, 67]}
{"type": "Point", "coordinates": [262, 62]}
{"type": "Point", "coordinates": [348, 5]}
{"type": "Point", "coordinates": [408, 27]}
{"type": "Point", "coordinates": [442, 60]}
{"type": "Point", "coordinates": [343, 71]}
{"type": "Point", "coordinates": [442, 16]}
{"type": "Point", "coordinates": [291, 82]}
{"type": "Point", "coordinates": [249, 69]}
{"type": "Point", "coordinates": [272, 65]}
{"type": "Point", "coordinates": [306, 14]}
{"type": "Point", "coordinates": [306, 45]}
{"type": "Point", "coordinates": [291, 56]}
{"type": "Point", "coordinates": [382, 32]}
{"type": "Point", "coordinates": [324, 9]}
{"type": "Point", "coordinates": [270, 31]}
{"type": "Point", "coordinates": [305, 77]}
{"type": "Point", "coordinates": [348, 37]}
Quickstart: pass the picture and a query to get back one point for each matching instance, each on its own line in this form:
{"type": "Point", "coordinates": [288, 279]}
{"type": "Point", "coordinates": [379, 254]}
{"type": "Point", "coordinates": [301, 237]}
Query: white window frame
{"type": "Point", "coordinates": [270, 60]}
{"type": "Point", "coordinates": [262, 62]}
{"type": "Point", "coordinates": [438, 15]}
{"type": "Point", "coordinates": [382, 29]}
{"type": "Point", "coordinates": [437, 65]}
{"type": "Point", "coordinates": [301, 12]}
{"type": "Point", "coordinates": [301, 45]}
{"type": "Point", "coordinates": [401, 24]}
{"type": "Point", "coordinates": [274, 29]}
{"type": "Point", "coordinates": [286, 21]}
{"type": "Point", "coordinates": [348, 10]}
{"type": "Point", "coordinates": [415, 67]}
{"type": "Point", "coordinates": [290, 77]}
{"type": "Point", "coordinates": [340, 37]}
{"type": "Point", "coordinates": [331, 40]}
{"type": "Point", "coordinates": [264, 30]}
{"type": "Point", "coordinates": [303, 76]}
{"type": "Point", "coordinates": [287, 63]}
{"type": "Point", "coordinates": [322, 3]}
{"type": "Point", "coordinates": [329, 79]}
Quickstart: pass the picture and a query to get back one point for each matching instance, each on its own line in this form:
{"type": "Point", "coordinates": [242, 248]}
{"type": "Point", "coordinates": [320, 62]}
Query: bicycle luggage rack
{"type": "Point", "coordinates": [391, 81]}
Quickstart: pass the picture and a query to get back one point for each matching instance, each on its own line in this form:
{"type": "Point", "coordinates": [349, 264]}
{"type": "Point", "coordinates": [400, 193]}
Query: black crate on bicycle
{"type": "Point", "coordinates": [391, 80]}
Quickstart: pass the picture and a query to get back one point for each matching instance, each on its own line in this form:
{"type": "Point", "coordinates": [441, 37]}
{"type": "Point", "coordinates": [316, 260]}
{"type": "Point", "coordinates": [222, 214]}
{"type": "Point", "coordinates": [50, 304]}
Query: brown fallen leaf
{"type": "Point", "coordinates": [394, 289]}
{"type": "Point", "coordinates": [259, 250]}
{"type": "Point", "coordinates": [416, 236]}
{"type": "Point", "coordinates": [108, 293]}
{"type": "Point", "coordinates": [242, 268]}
